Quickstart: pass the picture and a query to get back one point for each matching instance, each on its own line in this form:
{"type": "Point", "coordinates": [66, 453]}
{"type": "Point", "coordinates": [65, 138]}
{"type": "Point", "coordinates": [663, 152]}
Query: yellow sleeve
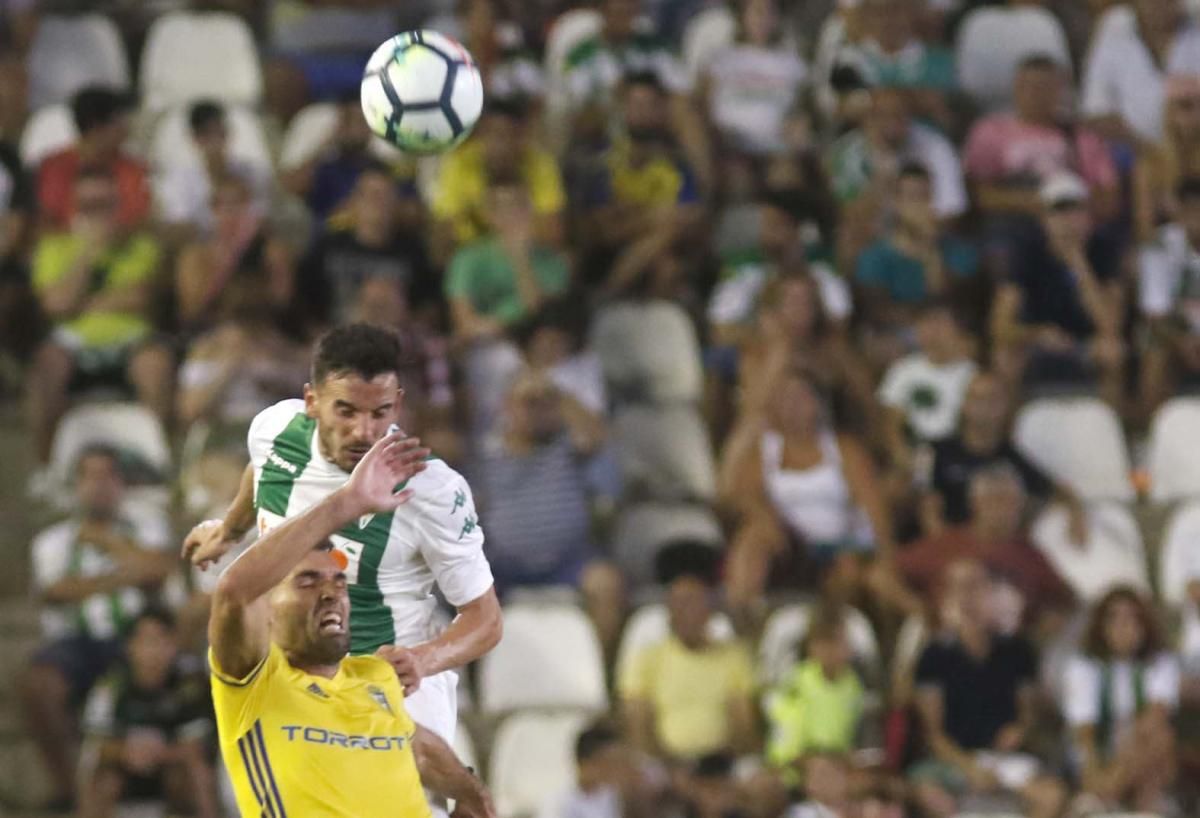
{"type": "Point", "coordinates": [545, 184]}
{"type": "Point", "coordinates": [239, 702]}
{"type": "Point", "coordinates": [636, 680]}
{"type": "Point", "coordinates": [51, 260]}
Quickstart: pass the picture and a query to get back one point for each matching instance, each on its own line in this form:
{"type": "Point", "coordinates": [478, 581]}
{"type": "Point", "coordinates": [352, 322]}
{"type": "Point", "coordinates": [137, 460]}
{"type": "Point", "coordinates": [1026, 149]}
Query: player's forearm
{"type": "Point", "coordinates": [239, 517]}
{"type": "Point", "coordinates": [271, 559]}
{"type": "Point", "coordinates": [442, 772]}
{"type": "Point", "coordinates": [475, 631]}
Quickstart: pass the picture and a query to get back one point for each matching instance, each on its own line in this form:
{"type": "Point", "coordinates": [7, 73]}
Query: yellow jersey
{"type": "Point", "coordinates": [309, 747]}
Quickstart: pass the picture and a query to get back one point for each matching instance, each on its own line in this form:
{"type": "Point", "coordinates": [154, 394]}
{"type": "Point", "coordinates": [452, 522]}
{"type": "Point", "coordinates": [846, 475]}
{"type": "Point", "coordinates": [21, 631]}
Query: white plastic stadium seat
{"type": "Point", "coordinates": [785, 629]}
{"type": "Point", "coordinates": [666, 451]}
{"type": "Point", "coordinates": [1173, 463]}
{"type": "Point", "coordinates": [193, 55]}
{"type": "Point", "coordinates": [1179, 556]}
{"type": "Point", "coordinates": [48, 131]}
{"type": "Point", "coordinates": [172, 144]}
{"type": "Point", "coordinates": [649, 352]}
{"type": "Point", "coordinates": [71, 52]}
{"type": "Point", "coordinates": [549, 657]}
{"type": "Point", "coordinates": [533, 760]}
{"type": "Point", "coordinates": [993, 40]}
{"type": "Point", "coordinates": [129, 427]}
{"type": "Point", "coordinates": [643, 529]}
{"type": "Point", "coordinates": [306, 134]}
{"type": "Point", "coordinates": [1113, 553]}
{"type": "Point", "coordinates": [706, 34]}
{"type": "Point", "coordinates": [650, 624]}
{"type": "Point", "coordinates": [1078, 442]}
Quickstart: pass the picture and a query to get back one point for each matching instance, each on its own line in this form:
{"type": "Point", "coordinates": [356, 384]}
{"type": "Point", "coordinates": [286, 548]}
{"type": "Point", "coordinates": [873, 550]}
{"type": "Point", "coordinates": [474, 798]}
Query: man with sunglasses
{"type": "Point", "coordinates": [95, 283]}
{"type": "Point", "coordinates": [302, 451]}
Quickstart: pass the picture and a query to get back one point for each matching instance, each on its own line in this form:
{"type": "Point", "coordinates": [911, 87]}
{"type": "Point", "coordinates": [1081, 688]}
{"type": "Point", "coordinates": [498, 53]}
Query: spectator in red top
{"type": "Point", "coordinates": [102, 119]}
{"type": "Point", "coordinates": [1024, 583]}
{"type": "Point", "coordinates": [1008, 155]}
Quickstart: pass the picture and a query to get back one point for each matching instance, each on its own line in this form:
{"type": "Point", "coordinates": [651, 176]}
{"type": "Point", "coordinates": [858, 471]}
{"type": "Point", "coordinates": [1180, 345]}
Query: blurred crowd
{"type": "Point", "coordinates": [851, 339]}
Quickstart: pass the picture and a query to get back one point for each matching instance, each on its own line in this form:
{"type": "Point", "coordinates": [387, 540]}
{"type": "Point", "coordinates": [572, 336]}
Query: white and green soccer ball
{"type": "Point", "coordinates": [421, 91]}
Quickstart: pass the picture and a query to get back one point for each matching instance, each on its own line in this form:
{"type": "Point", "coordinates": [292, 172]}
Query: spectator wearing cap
{"type": "Point", "coordinates": [1059, 313]}
{"type": "Point", "coordinates": [864, 166]}
{"type": "Point", "coordinates": [1025, 584]}
{"type": "Point", "coordinates": [1008, 155]}
{"type": "Point", "coordinates": [915, 261]}
{"type": "Point", "coordinates": [503, 146]}
{"type": "Point", "coordinates": [95, 282]}
{"type": "Point", "coordinates": [922, 392]}
{"type": "Point", "coordinates": [102, 120]}
{"type": "Point", "coordinates": [1163, 166]}
{"type": "Point", "coordinates": [1120, 695]}
{"type": "Point", "coordinates": [1133, 48]}
{"type": "Point", "coordinates": [150, 725]}
{"type": "Point", "coordinates": [806, 500]}
{"type": "Point", "coordinates": [92, 575]}
{"type": "Point", "coordinates": [688, 695]}
{"type": "Point", "coordinates": [639, 185]}
{"type": "Point", "coordinates": [750, 86]}
{"type": "Point", "coordinates": [975, 696]}
{"type": "Point", "coordinates": [891, 53]}
{"type": "Point", "coordinates": [1169, 300]}
{"type": "Point", "coordinates": [184, 192]}
{"type": "Point", "coordinates": [780, 249]}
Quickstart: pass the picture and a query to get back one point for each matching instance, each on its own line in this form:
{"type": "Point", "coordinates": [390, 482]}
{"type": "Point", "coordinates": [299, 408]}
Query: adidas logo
{"type": "Point", "coordinates": [316, 690]}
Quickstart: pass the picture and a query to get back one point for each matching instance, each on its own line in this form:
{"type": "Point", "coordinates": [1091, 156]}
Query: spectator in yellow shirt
{"type": "Point", "coordinates": [95, 283]}
{"type": "Point", "coordinates": [503, 144]}
{"type": "Point", "coordinates": [689, 696]}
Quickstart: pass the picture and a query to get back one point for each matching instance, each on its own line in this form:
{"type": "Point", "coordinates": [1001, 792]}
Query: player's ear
{"type": "Point", "coordinates": [310, 400]}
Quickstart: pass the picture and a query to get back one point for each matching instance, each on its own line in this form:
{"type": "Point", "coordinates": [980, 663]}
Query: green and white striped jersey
{"type": "Point", "coordinates": [394, 559]}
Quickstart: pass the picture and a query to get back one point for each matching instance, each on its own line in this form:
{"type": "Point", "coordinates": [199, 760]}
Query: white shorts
{"type": "Point", "coordinates": [435, 707]}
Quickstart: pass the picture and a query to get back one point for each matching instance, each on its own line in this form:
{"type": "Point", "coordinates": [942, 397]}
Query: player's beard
{"type": "Point", "coordinates": [324, 649]}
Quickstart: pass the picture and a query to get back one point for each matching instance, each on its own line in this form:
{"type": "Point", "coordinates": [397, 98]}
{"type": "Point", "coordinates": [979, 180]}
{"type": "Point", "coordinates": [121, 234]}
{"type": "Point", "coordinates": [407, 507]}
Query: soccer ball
{"type": "Point", "coordinates": [421, 91]}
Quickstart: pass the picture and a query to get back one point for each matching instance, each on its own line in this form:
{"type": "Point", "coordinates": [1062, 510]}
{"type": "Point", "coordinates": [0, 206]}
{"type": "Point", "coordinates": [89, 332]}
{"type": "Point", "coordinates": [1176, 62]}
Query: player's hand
{"type": "Point", "coordinates": [408, 664]}
{"type": "Point", "coordinates": [391, 462]}
{"type": "Point", "coordinates": [478, 805]}
{"type": "Point", "coordinates": [207, 543]}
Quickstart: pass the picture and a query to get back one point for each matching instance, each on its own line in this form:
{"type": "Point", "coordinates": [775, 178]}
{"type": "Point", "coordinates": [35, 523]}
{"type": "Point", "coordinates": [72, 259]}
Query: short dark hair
{"type": "Point", "coordinates": [96, 106]}
{"type": "Point", "coordinates": [687, 558]}
{"type": "Point", "coordinates": [152, 613]}
{"type": "Point", "coordinates": [1188, 188]}
{"type": "Point", "coordinates": [714, 765]}
{"type": "Point", "coordinates": [914, 170]}
{"type": "Point", "coordinates": [1040, 61]}
{"type": "Point", "coordinates": [204, 114]}
{"type": "Point", "coordinates": [593, 740]}
{"type": "Point", "coordinates": [1095, 644]}
{"type": "Point", "coordinates": [359, 349]}
{"type": "Point", "coordinates": [647, 79]}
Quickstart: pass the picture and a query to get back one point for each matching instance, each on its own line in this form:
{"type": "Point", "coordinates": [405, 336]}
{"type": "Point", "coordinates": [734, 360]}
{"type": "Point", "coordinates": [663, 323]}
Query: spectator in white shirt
{"type": "Point", "coordinates": [1134, 47]}
{"type": "Point", "coordinates": [1118, 700]}
{"type": "Point", "coordinates": [1169, 297]}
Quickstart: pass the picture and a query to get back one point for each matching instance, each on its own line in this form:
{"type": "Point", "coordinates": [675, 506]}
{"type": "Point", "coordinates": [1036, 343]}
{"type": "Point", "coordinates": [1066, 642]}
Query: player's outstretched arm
{"type": "Point", "coordinates": [210, 540]}
{"type": "Point", "coordinates": [237, 628]}
{"type": "Point", "coordinates": [442, 772]}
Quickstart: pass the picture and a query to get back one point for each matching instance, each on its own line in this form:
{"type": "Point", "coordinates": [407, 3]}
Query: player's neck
{"type": "Point", "coordinates": [324, 671]}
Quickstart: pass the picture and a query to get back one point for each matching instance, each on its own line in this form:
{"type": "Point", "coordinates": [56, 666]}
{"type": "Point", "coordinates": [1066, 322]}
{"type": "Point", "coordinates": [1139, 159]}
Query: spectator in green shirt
{"type": "Point", "coordinates": [95, 281]}
{"type": "Point", "coordinates": [498, 281]}
{"type": "Point", "coordinates": [818, 707]}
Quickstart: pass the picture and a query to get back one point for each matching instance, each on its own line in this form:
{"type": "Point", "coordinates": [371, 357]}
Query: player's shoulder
{"type": "Point", "coordinates": [437, 477]}
{"type": "Point", "coordinates": [270, 422]}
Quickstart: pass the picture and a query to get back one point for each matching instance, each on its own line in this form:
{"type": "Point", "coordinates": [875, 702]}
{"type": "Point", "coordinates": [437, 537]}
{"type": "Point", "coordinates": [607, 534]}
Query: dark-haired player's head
{"type": "Point", "coordinates": [102, 118]}
{"type": "Point", "coordinates": [1187, 193]}
{"type": "Point", "coordinates": [689, 570]}
{"type": "Point", "coordinates": [598, 755]}
{"type": "Point", "coordinates": [310, 609]}
{"type": "Point", "coordinates": [151, 646]}
{"type": "Point", "coordinates": [99, 482]}
{"type": "Point", "coordinates": [354, 390]}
